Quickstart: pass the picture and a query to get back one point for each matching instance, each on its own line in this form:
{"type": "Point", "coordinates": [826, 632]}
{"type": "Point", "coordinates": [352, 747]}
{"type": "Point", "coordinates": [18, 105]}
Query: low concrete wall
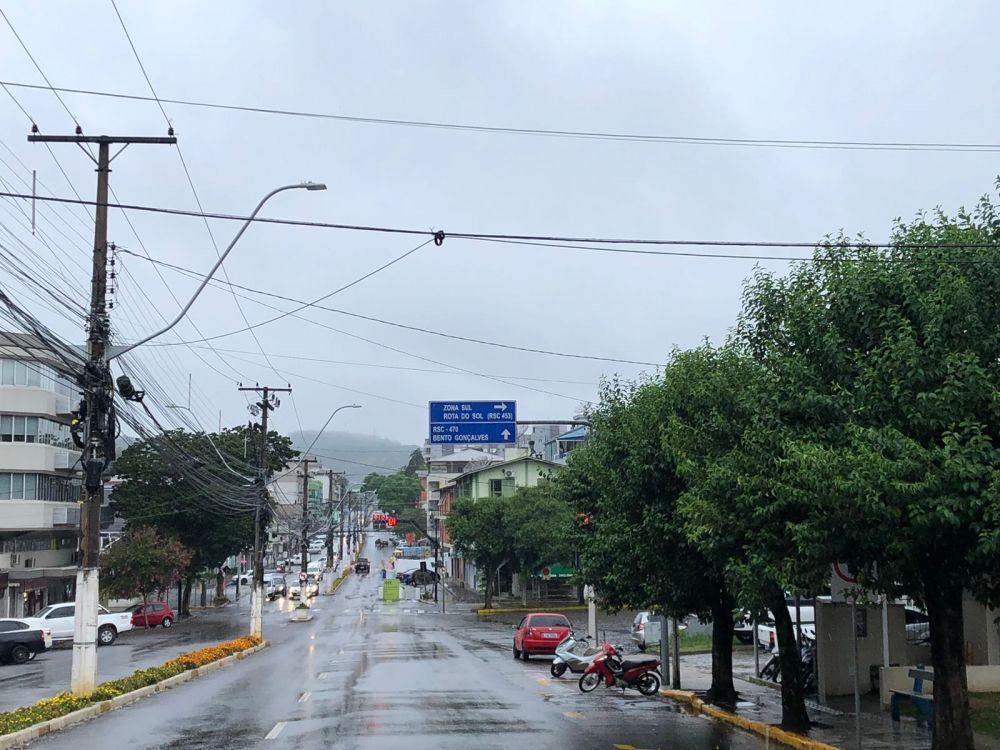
{"type": "Point", "coordinates": [982, 679]}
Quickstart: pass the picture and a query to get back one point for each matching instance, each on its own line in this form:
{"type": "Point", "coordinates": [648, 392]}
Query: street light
{"type": "Point", "coordinates": [208, 277]}
{"type": "Point", "coordinates": [304, 551]}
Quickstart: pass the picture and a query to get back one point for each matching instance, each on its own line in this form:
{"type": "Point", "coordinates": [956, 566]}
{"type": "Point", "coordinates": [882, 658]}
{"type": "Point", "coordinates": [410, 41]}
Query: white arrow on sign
{"type": "Point", "coordinates": [506, 434]}
{"type": "Point", "coordinates": [501, 407]}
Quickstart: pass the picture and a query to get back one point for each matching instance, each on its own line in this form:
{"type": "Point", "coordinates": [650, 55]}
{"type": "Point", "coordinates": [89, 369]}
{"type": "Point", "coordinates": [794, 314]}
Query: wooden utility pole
{"type": "Point", "coordinates": [304, 547]}
{"type": "Point", "coordinates": [267, 402]}
{"type": "Point", "coordinates": [98, 408]}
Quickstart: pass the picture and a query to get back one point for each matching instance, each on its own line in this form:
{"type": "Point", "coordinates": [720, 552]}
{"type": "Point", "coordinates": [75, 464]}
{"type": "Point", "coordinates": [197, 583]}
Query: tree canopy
{"type": "Point", "coordinates": [142, 563]}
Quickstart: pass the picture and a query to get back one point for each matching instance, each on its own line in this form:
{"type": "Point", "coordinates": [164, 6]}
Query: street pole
{"type": "Point", "coordinates": [665, 646]}
{"type": "Point", "coordinates": [328, 540]}
{"type": "Point", "coordinates": [588, 592]}
{"type": "Point", "coordinates": [98, 395]}
{"type": "Point", "coordinates": [304, 547]}
{"type": "Point", "coordinates": [675, 677]}
{"type": "Point", "coordinates": [266, 403]}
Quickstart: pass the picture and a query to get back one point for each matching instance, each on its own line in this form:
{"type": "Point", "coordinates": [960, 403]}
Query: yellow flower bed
{"type": "Point", "coordinates": [65, 703]}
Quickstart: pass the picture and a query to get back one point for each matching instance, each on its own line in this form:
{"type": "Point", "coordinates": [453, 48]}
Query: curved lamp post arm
{"type": "Point", "coordinates": [208, 277]}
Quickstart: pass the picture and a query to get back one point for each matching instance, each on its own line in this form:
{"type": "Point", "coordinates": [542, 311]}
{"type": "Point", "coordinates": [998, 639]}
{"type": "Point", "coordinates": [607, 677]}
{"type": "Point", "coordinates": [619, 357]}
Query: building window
{"type": "Point", "coordinates": [19, 429]}
{"type": "Point", "coordinates": [33, 375]}
{"type": "Point", "coordinates": [18, 486]}
{"type": "Point", "coordinates": [496, 488]}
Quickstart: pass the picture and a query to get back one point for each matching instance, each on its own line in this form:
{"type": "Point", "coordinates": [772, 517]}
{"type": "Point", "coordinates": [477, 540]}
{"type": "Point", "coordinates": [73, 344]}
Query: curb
{"type": "Point", "coordinates": [496, 611]}
{"type": "Point", "coordinates": [766, 731]}
{"type": "Point", "coordinates": [23, 736]}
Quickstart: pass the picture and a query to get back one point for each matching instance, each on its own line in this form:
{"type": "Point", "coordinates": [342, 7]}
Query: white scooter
{"type": "Point", "coordinates": [573, 655]}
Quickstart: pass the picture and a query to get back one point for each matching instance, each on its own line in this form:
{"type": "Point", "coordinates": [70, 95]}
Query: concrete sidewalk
{"type": "Point", "coordinates": [763, 704]}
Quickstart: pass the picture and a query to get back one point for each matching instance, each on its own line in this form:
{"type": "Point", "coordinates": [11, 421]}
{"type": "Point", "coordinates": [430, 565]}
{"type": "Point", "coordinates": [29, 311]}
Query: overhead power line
{"type": "Point", "coordinates": [314, 304]}
{"type": "Point", "coordinates": [540, 240]}
{"type": "Point", "coordinates": [657, 138]}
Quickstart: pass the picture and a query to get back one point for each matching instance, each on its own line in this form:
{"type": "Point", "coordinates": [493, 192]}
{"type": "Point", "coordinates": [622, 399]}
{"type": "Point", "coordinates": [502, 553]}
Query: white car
{"type": "Point", "coordinates": [60, 619]}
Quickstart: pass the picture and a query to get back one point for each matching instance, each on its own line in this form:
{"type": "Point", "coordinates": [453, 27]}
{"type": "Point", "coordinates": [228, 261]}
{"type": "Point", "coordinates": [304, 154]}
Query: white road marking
{"type": "Point", "coordinates": [305, 696]}
{"type": "Point", "coordinates": [275, 730]}
{"type": "Point", "coordinates": [322, 675]}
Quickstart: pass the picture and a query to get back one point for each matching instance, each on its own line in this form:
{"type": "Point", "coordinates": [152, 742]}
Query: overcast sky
{"type": "Point", "coordinates": [893, 71]}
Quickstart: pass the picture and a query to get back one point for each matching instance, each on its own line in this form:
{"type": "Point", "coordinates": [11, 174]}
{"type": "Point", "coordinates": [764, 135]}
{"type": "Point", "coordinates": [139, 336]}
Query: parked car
{"type": "Point", "coordinates": [20, 642]}
{"type": "Point", "coordinates": [22, 624]}
{"type": "Point", "coordinates": [59, 618]}
{"type": "Point", "coordinates": [152, 614]}
{"type": "Point", "coordinates": [646, 630]}
{"type": "Point", "coordinates": [275, 585]}
{"type": "Point", "coordinates": [918, 626]}
{"type": "Point", "coordinates": [766, 638]}
{"type": "Point", "coordinates": [539, 633]}
{"type": "Point", "coordinates": [743, 629]}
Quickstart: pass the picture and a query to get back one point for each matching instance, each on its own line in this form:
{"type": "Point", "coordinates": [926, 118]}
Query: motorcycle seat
{"type": "Point", "coordinates": [637, 661]}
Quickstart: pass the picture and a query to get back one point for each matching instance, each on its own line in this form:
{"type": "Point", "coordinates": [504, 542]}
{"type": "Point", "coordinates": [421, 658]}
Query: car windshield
{"type": "Point", "coordinates": [44, 612]}
{"type": "Point", "coordinates": [549, 621]}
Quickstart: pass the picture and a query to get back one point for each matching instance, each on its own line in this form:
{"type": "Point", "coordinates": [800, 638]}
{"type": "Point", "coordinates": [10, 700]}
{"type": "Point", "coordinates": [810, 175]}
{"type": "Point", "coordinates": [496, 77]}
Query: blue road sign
{"type": "Point", "coordinates": [473, 422]}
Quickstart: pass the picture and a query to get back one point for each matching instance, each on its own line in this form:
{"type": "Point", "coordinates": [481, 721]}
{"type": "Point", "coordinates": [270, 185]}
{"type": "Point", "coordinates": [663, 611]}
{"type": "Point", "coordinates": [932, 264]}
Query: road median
{"type": "Point", "coordinates": [541, 607]}
{"type": "Point", "coordinates": [22, 725]}
{"type": "Point", "coordinates": [767, 731]}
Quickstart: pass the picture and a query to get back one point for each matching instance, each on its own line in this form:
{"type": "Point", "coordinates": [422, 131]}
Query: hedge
{"type": "Point", "coordinates": [65, 703]}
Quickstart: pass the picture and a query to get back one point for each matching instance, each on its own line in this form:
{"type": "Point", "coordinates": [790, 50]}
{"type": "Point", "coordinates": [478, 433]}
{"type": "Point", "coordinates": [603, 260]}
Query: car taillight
{"type": "Point", "coordinates": [530, 633]}
{"type": "Point", "coordinates": [770, 639]}
{"type": "Point", "coordinates": [640, 626]}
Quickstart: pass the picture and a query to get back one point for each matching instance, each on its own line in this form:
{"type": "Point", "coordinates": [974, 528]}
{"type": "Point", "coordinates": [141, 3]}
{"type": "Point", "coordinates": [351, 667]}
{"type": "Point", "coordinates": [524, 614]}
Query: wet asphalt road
{"type": "Point", "coordinates": [365, 674]}
{"type": "Point", "coordinates": [49, 673]}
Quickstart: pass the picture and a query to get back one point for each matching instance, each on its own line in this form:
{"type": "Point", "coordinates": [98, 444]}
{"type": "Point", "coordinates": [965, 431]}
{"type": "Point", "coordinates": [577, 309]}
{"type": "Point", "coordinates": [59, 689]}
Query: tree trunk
{"type": "Point", "coordinates": [952, 727]}
{"type": "Point", "coordinates": [525, 577]}
{"type": "Point", "coordinates": [220, 589]}
{"type": "Point", "coordinates": [793, 700]}
{"type": "Point", "coordinates": [487, 593]}
{"type": "Point", "coordinates": [185, 606]}
{"type": "Point", "coordinates": [722, 692]}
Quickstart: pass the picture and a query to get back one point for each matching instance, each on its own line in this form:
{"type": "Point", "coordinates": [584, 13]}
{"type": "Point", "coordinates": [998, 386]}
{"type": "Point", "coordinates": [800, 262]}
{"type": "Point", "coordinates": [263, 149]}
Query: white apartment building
{"type": "Point", "coordinates": [39, 481]}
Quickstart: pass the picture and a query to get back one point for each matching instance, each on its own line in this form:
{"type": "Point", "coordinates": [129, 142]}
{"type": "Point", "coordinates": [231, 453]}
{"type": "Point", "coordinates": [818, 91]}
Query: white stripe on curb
{"type": "Point", "coordinates": [275, 731]}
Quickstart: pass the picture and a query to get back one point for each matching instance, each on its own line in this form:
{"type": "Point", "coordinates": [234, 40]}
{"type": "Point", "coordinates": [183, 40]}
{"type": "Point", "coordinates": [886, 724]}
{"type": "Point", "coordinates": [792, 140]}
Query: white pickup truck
{"type": "Point", "coordinates": [59, 618]}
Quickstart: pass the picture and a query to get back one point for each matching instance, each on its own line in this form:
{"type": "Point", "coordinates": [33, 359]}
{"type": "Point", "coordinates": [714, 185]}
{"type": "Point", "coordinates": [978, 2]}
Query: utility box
{"type": "Point", "coordinates": [390, 590]}
{"type": "Point", "coordinates": [835, 632]}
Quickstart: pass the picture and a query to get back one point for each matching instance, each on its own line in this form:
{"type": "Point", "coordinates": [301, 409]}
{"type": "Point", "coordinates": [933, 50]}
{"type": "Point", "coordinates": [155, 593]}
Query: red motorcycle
{"type": "Point", "coordinates": [638, 671]}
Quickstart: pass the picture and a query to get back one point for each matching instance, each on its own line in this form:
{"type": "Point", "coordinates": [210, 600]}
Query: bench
{"type": "Point", "coordinates": [923, 701]}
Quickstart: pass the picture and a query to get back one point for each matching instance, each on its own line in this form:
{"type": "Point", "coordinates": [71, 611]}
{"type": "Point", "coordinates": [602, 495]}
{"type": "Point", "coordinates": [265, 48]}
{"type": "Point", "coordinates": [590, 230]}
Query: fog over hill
{"type": "Point", "coordinates": [357, 455]}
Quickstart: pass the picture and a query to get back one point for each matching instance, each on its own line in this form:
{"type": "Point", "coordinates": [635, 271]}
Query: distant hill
{"type": "Point", "coordinates": [357, 455]}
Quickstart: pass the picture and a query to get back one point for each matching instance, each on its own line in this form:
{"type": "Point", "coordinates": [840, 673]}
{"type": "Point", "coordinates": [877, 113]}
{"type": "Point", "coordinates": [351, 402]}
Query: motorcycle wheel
{"type": "Point", "coordinates": [558, 670]}
{"type": "Point", "coordinates": [589, 682]}
{"type": "Point", "coordinates": [648, 683]}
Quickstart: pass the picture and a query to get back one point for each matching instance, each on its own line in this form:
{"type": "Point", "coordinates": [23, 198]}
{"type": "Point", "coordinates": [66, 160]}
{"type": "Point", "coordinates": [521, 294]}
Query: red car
{"type": "Point", "coordinates": [152, 614]}
{"type": "Point", "coordinates": [539, 633]}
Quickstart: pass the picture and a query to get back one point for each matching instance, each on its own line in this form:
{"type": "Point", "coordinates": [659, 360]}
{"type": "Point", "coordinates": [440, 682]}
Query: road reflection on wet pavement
{"type": "Point", "coordinates": [367, 674]}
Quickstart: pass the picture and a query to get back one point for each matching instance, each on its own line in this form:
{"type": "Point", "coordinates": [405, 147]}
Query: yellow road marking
{"type": "Point", "coordinates": [573, 715]}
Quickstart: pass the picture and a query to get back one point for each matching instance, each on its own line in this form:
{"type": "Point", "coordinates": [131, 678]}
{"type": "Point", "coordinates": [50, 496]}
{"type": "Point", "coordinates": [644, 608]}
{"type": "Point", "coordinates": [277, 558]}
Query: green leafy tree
{"type": "Point", "coordinates": [889, 365]}
{"type": "Point", "coordinates": [633, 546]}
{"type": "Point", "coordinates": [727, 445]}
{"type": "Point", "coordinates": [178, 484]}
{"type": "Point", "coordinates": [395, 491]}
{"type": "Point", "coordinates": [142, 563]}
{"type": "Point", "coordinates": [479, 532]}
{"type": "Point", "coordinates": [542, 527]}
{"type": "Point", "coordinates": [415, 464]}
